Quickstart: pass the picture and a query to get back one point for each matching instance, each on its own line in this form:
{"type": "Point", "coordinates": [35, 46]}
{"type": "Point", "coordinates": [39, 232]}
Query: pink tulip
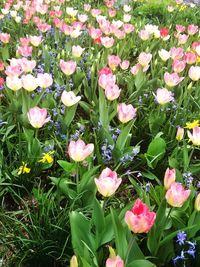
{"type": "Point", "coordinates": [112, 92]}
{"type": "Point", "coordinates": [128, 28]}
{"type": "Point", "coordinates": [5, 38]}
{"type": "Point", "coordinates": [112, 13]}
{"type": "Point", "coordinates": [37, 117]}
{"type": "Point", "coordinates": [140, 219]}
{"type": "Point", "coordinates": [124, 65]}
{"type": "Point", "coordinates": [126, 112]}
{"type": "Point", "coordinates": [176, 195]}
{"type": "Point", "coordinates": [69, 98]}
{"type": "Point", "coordinates": [194, 73]}
{"type": "Point", "coordinates": [107, 42]}
{"type": "Point", "coordinates": [113, 61]}
{"type": "Point", "coordinates": [78, 150]}
{"type": "Point", "coordinates": [13, 70]}
{"type": "Point", "coordinates": [87, 7]}
{"type": "Point", "coordinates": [134, 70]}
{"type": "Point", "coordinates": [68, 67]}
{"type": "Point", "coordinates": [163, 96]}
{"type": "Point", "coordinates": [179, 134]}
{"type": "Point", "coordinates": [195, 136]}
{"type": "Point", "coordinates": [144, 59]}
{"type": "Point", "coordinates": [172, 79]}
{"type": "Point", "coordinates": [27, 65]}
{"type": "Point", "coordinates": [169, 178]}
{"type": "Point", "coordinates": [95, 12]}
{"type": "Point", "coordinates": [25, 51]}
{"type": "Point", "coordinates": [82, 18]}
{"type": "Point", "coordinates": [182, 38]}
{"type": "Point", "coordinates": [44, 80]}
{"type": "Point", "coordinates": [24, 41]}
{"type": "Point", "coordinates": [190, 58]}
{"type": "Point", "coordinates": [180, 28]}
{"type": "Point", "coordinates": [95, 33]}
{"type": "Point", "coordinates": [105, 71]}
{"type": "Point", "coordinates": [77, 51]}
{"type": "Point", "coordinates": [119, 34]}
{"type": "Point", "coordinates": [144, 35]}
{"type": "Point", "coordinates": [176, 53]}
{"type": "Point", "coordinates": [115, 262]}
{"type": "Point", "coordinates": [108, 182]}
{"type": "Point", "coordinates": [192, 29]}
{"type": "Point", "coordinates": [106, 80]}
{"type": "Point", "coordinates": [178, 65]}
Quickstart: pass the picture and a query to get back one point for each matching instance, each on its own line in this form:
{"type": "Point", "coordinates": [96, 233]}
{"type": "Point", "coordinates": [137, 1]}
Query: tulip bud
{"type": "Point", "coordinates": [197, 203]}
{"type": "Point", "coordinates": [73, 261]}
{"type": "Point", "coordinates": [169, 178]}
{"type": "Point", "coordinates": [179, 134]}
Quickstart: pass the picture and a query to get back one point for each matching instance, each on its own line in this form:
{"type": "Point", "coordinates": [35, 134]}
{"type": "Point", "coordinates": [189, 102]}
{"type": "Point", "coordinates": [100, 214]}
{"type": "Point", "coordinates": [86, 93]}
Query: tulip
{"type": "Point", "coordinates": [182, 38]}
{"type": "Point", "coordinates": [172, 79]}
{"type": "Point", "coordinates": [134, 70]}
{"type": "Point", "coordinates": [104, 71]}
{"type": "Point", "coordinates": [126, 112]}
{"type": "Point", "coordinates": [144, 59]}
{"type": "Point", "coordinates": [115, 262]}
{"type": "Point", "coordinates": [112, 92]}
{"type": "Point", "coordinates": [44, 80]}
{"type": "Point", "coordinates": [37, 117]}
{"type": "Point", "coordinates": [74, 261]}
{"type": "Point", "coordinates": [176, 195]}
{"type": "Point", "coordinates": [78, 150]}
{"type": "Point", "coordinates": [113, 61]}
{"type": "Point", "coordinates": [128, 28]}
{"type": "Point", "coordinates": [163, 96]}
{"type": "Point", "coordinates": [180, 28]}
{"type": "Point", "coordinates": [14, 83]}
{"type": "Point", "coordinates": [176, 53]}
{"type": "Point", "coordinates": [69, 98]}
{"type": "Point", "coordinates": [25, 51]}
{"type": "Point", "coordinates": [144, 35]}
{"type": "Point", "coordinates": [192, 29]}
{"type": "Point", "coordinates": [77, 51]}
{"type": "Point", "coordinates": [106, 79]}
{"type": "Point", "coordinates": [179, 134]}
{"type": "Point", "coordinates": [190, 58]}
{"type": "Point", "coordinates": [27, 65]}
{"type": "Point", "coordinates": [164, 54]}
{"type": "Point", "coordinates": [178, 65]}
{"type": "Point", "coordinates": [108, 182]}
{"type": "Point", "coordinates": [195, 136]}
{"type": "Point", "coordinates": [194, 73]}
{"type": "Point", "coordinates": [140, 219]}
{"type": "Point", "coordinates": [35, 40]}
{"type": "Point", "coordinates": [107, 42]}
{"type": "Point", "coordinates": [5, 38]}
{"type": "Point", "coordinates": [68, 67]}
{"type": "Point", "coordinates": [29, 82]}
{"type": "Point", "coordinates": [169, 178]}
{"type": "Point", "coordinates": [197, 202]}
{"type": "Point", "coordinates": [124, 65]}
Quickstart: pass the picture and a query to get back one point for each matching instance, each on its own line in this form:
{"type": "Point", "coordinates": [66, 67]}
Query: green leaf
{"type": "Point", "coordinates": [134, 252]}
{"type": "Point", "coordinates": [67, 166]}
{"type": "Point", "coordinates": [103, 109]}
{"type": "Point", "coordinates": [120, 235]}
{"type": "Point", "coordinates": [140, 79]}
{"type": "Point", "coordinates": [155, 152]}
{"type": "Point", "coordinates": [98, 221]}
{"type": "Point", "coordinates": [121, 140]}
{"type": "Point", "coordinates": [141, 263]}
{"type": "Point", "coordinates": [87, 178]}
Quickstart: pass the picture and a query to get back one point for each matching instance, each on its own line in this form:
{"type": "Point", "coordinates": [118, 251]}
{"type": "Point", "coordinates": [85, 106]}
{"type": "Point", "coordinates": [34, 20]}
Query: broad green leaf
{"type": "Point", "coordinates": [121, 140]}
{"type": "Point", "coordinates": [67, 166]}
{"type": "Point", "coordinates": [141, 263]}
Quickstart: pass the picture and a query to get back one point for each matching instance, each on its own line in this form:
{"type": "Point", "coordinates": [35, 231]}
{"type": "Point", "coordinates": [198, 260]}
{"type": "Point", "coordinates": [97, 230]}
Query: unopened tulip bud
{"type": "Point", "coordinates": [179, 134]}
{"type": "Point", "coordinates": [197, 203]}
{"type": "Point", "coordinates": [73, 261]}
{"type": "Point", "coordinates": [169, 178]}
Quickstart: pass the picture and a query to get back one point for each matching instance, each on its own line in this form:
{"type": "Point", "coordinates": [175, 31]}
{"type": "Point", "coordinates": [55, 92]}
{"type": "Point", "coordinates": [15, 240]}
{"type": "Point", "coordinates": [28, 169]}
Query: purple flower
{"type": "Point", "coordinates": [181, 237]}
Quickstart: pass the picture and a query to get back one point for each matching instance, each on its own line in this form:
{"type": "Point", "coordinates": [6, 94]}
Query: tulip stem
{"type": "Point", "coordinates": [132, 239]}
{"type": "Point", "coordinates": [36, 133]}
{"type": "Point", "coordinates": [77, 174]}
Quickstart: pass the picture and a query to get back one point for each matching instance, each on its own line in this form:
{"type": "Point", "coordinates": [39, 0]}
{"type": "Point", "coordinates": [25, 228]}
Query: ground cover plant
{"type": "Point", "coordinates": [100, 133]}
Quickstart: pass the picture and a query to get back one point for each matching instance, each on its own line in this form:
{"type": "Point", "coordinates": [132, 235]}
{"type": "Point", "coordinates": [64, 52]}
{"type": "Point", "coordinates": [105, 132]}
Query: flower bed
{"type": "Point", "coordinates": [100, 133]}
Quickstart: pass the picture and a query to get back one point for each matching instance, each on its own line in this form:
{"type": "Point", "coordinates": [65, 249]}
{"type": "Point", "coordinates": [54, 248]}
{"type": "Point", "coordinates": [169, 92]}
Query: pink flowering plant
{"type": "Point", "coordinates": [100, 133]}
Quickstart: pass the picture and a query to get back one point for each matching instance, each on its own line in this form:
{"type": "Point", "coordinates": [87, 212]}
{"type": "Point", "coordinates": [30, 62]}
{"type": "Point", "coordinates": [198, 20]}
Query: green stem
{"type": "Point", "coordinates": [77, 174]}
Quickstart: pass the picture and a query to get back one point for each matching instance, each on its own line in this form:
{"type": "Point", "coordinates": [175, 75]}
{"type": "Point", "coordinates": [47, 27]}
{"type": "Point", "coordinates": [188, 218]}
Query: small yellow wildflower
{"type": "Point", "coordinates": [47, 157]}
{"type": "Point", "coordinates": [191, 125]}
{"type": "Point", "coordinates": [23, 169]}
{"type": "Point", "coordinates": [198, 60]}
{"type": "Point", "coordinates": [69, 20]}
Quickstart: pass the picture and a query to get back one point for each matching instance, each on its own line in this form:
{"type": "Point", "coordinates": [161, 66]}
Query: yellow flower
{"type": "Point", "coordinates": [198, 60]}
{"type": "Point", "coordinates": [23, 169]}
{"type": "Point", "coordinates": [191, 125]}
{"type": "Point", "coordinates": [69, 20]}
{"type": "Point", "coordinates": [47, 157]}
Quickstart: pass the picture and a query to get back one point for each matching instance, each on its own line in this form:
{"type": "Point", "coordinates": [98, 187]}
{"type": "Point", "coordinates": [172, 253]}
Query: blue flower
{"type": "Point", "coordinates": [181, 237]}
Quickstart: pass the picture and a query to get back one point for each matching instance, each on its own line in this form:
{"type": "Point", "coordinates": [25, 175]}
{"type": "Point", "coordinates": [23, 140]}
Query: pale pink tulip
{"type": "Point", "coordinates": [37, 117]}
{"type": "Point", "coordinates": [44, 80]}
{"type": "Point", "coordinates": [163, 96]}
{"type": "Point", "coordinates": [126, 112]}
{"type": "Point", "coordinates": [14, 83]}
{"type": "Point", "coordinates": [113, 61]}
{"type": "Point", "coordinates": [178, 65]}
{"type": "Point", "coordinates": [176, 195]}
{"type": "Point", "coordinates": [169, 178]}
{"type": "Point", "coordinates": [144, 59]}
{"type": "Point", "coordinates": [194, 73]}
{"type": "Point", "coordinates": [78, 150]}
{"type": "Point", "coordinates": [176, 53]}
{"type": "Point", "coordinates": [124, 64]}
{"type": "Point", "coordinates": [36, 40]}
{"type": "Point", "coordinates": [106, 79]}
{"type": "Point", "coordinates": [116, 261]}
{"type": "Point", "coordinates": [172, 79]}
{"type": "Point", "coordinates": [179, 133]}
{"type": "Point", "coordinates": [108, 182]}
{"type": "Point", "coordinates": [4, 37]}
{"type": "Point", "coordinates": [190, 58]}
{"type": "Point", "coordinates": [77, 51]}
{"type": "Point", "coordinates": [29, 82]}
{"type": "Point", "coordinates": [192, 29]}
{"type": "Point", "coordinates": [68, 67]}
{"type": "Point", "coordinates": [112, 92]}
{"type": "Point", "coordinates": [69, 98]}
{"type": "Point", "coordinates": [107, 42]}
{"type": "Point", "coordinates": [164, 54]}
{"type": "Point", "coordinates": [195, 136]}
